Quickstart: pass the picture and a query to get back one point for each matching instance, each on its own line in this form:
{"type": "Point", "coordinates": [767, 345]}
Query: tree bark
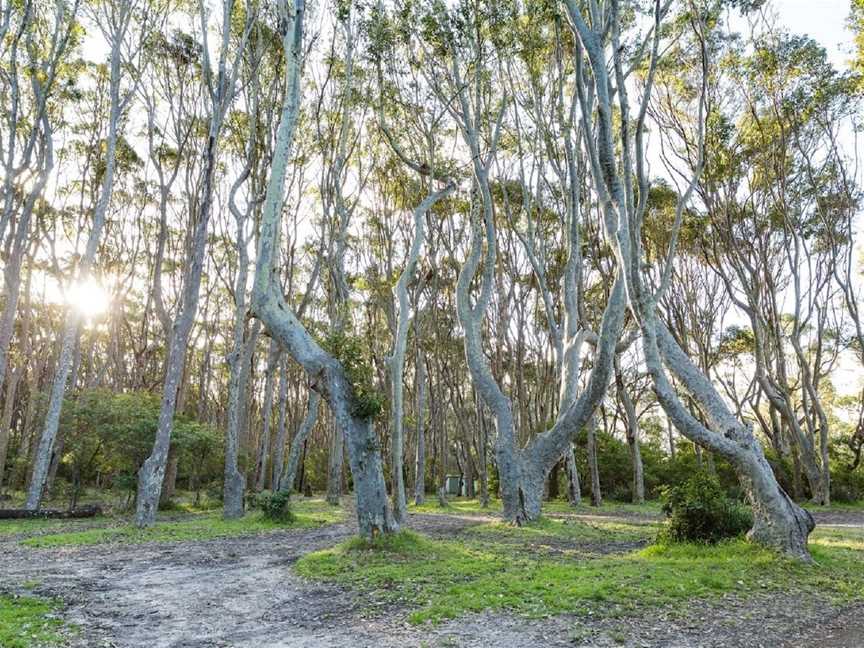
{"type": "Point", "coordinates": [400, 342]}
{"type": "Point", "coordinates": [286, 482]}
{"type": "Point", "coordinates": [420, 458]}
{"type": "Point", "coordinates": [268, 304]}
{"type": "Point", "coordinates": [266, 416]}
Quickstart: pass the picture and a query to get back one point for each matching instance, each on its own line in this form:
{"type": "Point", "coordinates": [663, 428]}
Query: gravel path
{"type": "Point", "coordinates": [242, 592]}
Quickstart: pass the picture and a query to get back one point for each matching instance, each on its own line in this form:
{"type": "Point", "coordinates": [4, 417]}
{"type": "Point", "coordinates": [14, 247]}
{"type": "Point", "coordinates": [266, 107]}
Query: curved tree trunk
{"type": "Point", "coordinates": [268, 304]}
{"type": "Point", "coordinates": [397, 358]}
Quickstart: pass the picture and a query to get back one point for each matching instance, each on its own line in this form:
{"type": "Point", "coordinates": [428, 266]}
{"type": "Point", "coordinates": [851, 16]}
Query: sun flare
{"type": "Point", "coordinates": [88, 297]}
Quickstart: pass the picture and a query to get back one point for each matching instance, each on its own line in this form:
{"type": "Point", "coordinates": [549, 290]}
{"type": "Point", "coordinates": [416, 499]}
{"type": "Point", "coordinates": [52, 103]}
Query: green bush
{"type": "Point", "coordinates": [847, 485]}
{"type": "Point", "coordinates": [276, 506]}
{"type": "Point", "coordinates": [700, 511]}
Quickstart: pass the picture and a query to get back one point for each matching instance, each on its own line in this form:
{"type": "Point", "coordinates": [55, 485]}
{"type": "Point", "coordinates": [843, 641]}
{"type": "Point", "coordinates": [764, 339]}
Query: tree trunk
{"type": "Point", "coordinates": [117, 31]}
{"type": "Point", "coordinates": [593, 468]}
{"type": "Point", "coordinates": [6, 420]}
{"type": "Point", "coordinates": [574, 490]}
{"type": "Point", "coordinates": [278, 464]}
{"type": "Point", "coordinates": [169, 485]}
{"type": "Point", "coordinates": [267, 415]}
{"type": "Point", "coordinates": [326, 374]}
{"type": "Point", "coordinates": [420, 458]}
{"type": "Point", "coordinates": [334, 467]}
{"type": "Point", "coordinates": [286, 482]}
{"type": "Point", "coordinates": [631, 424]}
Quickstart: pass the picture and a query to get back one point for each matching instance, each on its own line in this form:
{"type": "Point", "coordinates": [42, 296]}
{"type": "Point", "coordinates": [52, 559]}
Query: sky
{"type": "Point", "coordinates": [822, 20]}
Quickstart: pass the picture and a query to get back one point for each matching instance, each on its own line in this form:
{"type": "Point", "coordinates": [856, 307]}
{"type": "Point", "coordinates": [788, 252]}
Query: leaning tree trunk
{"type": "Point", "coordinates": [152, 473]}
{"type": "Point", "coordinates": [778, 522]}
{"type": "Point", "coordinates": [326, 374]}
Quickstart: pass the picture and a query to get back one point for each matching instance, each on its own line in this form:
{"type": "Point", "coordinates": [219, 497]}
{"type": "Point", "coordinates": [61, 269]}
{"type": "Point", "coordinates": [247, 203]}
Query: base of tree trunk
{"type": "Point", "coordinates": [233, 504]}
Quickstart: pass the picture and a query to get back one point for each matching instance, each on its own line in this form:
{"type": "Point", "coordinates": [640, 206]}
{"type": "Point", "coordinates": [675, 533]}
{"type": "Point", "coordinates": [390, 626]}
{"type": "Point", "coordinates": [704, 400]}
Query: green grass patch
{"type": "Point", "coordinates": [442, 579]}
{"type": "Point", "coordinates": [464, 506]}
{"type": "Point", "coordinates": [549, 530]}
{"type": "Point", "coordinates": [308, 514]}
{"type": "Point", "coordinates": [27, 622]}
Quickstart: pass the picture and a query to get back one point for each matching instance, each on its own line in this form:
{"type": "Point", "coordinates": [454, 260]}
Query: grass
{"type": "Point", "coordinates": [442, 579]}
{"type": "Point", "coordinates": [554, 531]}
{"type": "Point", "coordinates": [26, 622]}
{"type": "Point", "coordinates": [206, 526]}
{"type": "Point", "coordinates": [464, 506]}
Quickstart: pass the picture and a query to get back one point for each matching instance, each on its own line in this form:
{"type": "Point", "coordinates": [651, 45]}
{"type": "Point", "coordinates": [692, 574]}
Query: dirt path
{"type": "Point", "coordinates": [242, 592]}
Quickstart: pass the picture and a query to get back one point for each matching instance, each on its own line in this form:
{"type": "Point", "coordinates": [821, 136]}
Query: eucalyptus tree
{"type": "Point", "coordinates": [419, 124]}
{"type": "Point", "coordinates": [37, 39]}
{"type": "Point", "coordinates": [220, 89]}
{"type": "Point", "coordinates": [616, 153]}
{"type": "Point", "coordinates": [338, 121]}
{"type": "Point", "coordinates": [123, 23]}
{"type": "Point", "coordinates": [352, 412]}
{"type": "Point", "coordinates": [451, 40]}
{"type": "Point", "coordinates": [253, 146]}
{"type": "Point", "coordinates": [768, 193]}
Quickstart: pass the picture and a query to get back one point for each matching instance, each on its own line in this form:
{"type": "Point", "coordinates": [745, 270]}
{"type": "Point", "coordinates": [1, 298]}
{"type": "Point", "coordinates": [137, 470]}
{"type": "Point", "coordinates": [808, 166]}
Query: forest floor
{"type": "Point", "coordinates": [583, 577]}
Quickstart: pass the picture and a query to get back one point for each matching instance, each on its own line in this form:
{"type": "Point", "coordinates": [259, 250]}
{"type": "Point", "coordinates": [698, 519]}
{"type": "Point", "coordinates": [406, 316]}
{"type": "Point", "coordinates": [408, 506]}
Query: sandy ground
{"type": "Point", "coordinates": [242, 592]}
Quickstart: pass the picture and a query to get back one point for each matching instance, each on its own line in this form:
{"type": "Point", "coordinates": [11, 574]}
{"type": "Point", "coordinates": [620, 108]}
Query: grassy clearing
{"type": "Point", "coordinates": [464, 506]}
{"type": "Point", "coordinates": [309, 514]}
{"type": "Point", "coordinates": [441, 579]}
{"type": "Point", "coordinates": [26, 622]}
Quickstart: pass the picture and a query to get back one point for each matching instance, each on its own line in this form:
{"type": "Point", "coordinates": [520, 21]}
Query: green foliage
{"type": "Point", "coordinates": [847, 485]}
{"type": "Point", "coordinates": [353, 354]}
{"type": "Point", "coordinates": [276, 506]}
{"type": "Point", "coordinates": [27, 621]}
{"type": "Point", "coordinates": [112, 434]}
{"type": "Point", "coordinates": [700, 511]}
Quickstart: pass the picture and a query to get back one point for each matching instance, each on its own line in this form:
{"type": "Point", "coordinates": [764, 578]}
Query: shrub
{"type": "Point", "coordinates": [700, 511]}
{"type": "Point", "coordinates": [276, 506]}
{"type": "Point", "coordinates": [847, 485]}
